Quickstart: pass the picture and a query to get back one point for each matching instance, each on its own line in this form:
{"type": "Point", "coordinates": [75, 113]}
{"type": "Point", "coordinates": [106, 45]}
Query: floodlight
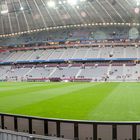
{"type": "Point", "coordinates": [60, 2]}
{"type": "Point", "coordinates": [4, 11]}
{"type": "Point", "coordinates": [21, 8]}
{"type": "Point", "coordinates": [137, 2]}
{"type": "Point", "coordinates": [137, 10]}
{"type": "Point", "coordinates": [72, 2]}
{"type": "Point", "coordinates": [51, 4]}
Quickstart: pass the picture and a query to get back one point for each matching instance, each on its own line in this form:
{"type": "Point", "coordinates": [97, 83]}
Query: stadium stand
{"type": "Point", "coordinates": [90, 33]}
{"type": "Point", "coordinates": [71, 53]}
{"type": "Point", "coordinates": [75, 67]}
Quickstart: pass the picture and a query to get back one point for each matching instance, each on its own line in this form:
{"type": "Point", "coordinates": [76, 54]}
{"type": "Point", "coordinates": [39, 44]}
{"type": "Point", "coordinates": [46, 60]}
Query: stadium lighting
{"type": "Point", "coordinates": [60, 2]}
{"type": "Point", "coordinates": [21, 8]}
{"type": "Point", "coordinates": [77, 7]}
{"type": "Point", "coordinates": [51, 4]}
{"type": "Point", "coordinates": [138, 3]}
{"type": "Point", "coordinates": [72, 2]}
{"type": "Point", "coordinates": [4, 11]}
{"type": "Point", "coordinates": [136, 10]}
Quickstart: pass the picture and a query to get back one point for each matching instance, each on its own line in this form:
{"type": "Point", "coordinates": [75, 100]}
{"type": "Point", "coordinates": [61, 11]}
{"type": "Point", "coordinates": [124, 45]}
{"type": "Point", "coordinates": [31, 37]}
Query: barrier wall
{"type": "Point", "coordinates": [66, 60]}
{"type": "Point", "coordinates": [74, 130]}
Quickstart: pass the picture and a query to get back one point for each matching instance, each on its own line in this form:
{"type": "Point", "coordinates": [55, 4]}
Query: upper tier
{"type": "Point", "coordinates": [74, 34]}
{"type": "Point", "coordinates": [71, 53]}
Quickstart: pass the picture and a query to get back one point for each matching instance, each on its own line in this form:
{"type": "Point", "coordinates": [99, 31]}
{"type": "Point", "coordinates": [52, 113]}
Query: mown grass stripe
{"type": "Point", "coordinates": [37, 96]}
{"type": "Point", "coordinates": [88, 101]}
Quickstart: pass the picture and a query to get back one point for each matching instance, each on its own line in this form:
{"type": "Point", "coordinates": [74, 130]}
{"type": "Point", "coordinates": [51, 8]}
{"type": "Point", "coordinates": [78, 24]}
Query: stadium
{"type": "Point", "coordinates": [69, 69]}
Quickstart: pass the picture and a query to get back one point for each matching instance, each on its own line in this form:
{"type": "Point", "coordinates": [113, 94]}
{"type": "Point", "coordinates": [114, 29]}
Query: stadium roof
{"type": "Point", "coordinates": [25, 15]}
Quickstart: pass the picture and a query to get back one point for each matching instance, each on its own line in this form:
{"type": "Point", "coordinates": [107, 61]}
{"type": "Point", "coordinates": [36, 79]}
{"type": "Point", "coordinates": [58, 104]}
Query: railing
{"type": "Point", "coordinates": [11, 135]}
{"type": "Point", "coordinates": [68, 129]}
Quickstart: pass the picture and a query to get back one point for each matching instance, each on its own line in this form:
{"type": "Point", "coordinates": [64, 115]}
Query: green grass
{"type": "Point", "coordinates": [80, 101]}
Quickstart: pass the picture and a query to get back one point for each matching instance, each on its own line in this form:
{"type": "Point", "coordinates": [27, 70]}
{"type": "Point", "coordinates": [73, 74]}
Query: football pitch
{"type": "Point", "coordinates": [78, 101]}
